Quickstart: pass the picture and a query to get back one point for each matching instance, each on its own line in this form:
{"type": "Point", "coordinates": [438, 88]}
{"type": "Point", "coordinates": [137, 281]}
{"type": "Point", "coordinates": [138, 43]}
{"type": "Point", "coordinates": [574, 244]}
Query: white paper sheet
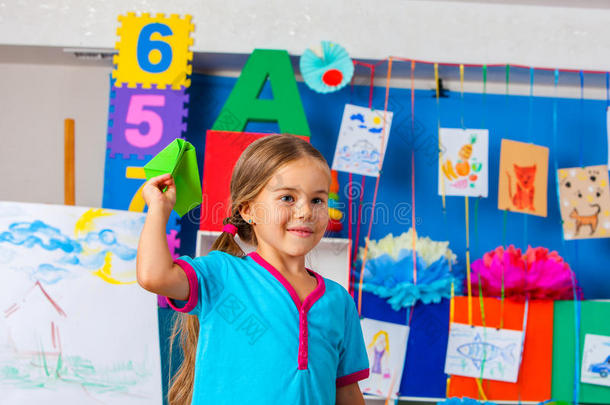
{"type": "Point", "coordinates": [463, 167]}
{"type": "Point", "coordinates": [497, 352]}
{"type": "Point", "coordinates": [387, 347]}
{"type": "Point", "coordinates": [596, 360]}
{"type": "Point", "coordinates": [75, 326]}
{"type": "Point", "coordinates": [363, 140]}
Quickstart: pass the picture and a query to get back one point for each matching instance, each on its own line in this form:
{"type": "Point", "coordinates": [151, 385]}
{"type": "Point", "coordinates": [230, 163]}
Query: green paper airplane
{"type": "Point", "coordinates": [179, 159]}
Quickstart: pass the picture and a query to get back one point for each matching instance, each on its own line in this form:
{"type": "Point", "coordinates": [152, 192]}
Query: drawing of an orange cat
{"type": "Point", "coordinates": [584, 220]}
{"type": "Point", "coordinates": [523, 198]}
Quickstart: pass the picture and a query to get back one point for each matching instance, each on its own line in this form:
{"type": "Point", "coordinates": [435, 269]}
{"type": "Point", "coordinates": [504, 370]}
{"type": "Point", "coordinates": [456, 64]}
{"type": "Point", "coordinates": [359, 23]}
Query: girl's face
{"type": "Point", "coordinates": [291, 212]}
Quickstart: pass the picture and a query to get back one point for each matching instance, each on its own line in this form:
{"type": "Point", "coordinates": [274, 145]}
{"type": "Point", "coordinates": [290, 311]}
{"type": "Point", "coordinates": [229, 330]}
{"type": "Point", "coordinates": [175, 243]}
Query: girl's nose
{"type": "Point", "coordinates": [303, 211]}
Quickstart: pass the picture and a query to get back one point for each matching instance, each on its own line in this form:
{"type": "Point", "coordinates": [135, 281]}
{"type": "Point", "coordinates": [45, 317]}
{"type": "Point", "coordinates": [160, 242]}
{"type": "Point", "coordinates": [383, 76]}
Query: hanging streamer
{"type": "Point", "coordinates": [438, 132]}
{"type": "Point", "coordinates": [466, 209]}
{"type": "Point", "coordinates": [354, 255]}
{"type": "Point", "coordinates": [413, 173]}
{"type": "Point", "coordinates": [505, 216]}
{"type": "Point", "coordinates": [383, 138]}
{"type": "Point", "coordinates": [530, 116]}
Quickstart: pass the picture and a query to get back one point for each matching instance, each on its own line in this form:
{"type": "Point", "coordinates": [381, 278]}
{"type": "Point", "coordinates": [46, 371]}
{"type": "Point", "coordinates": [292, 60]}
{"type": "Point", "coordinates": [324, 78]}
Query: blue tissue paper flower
{"type": "Point", "coordinates": [328, 71]}
{"type": "Point", "coordinates": [392, 279]}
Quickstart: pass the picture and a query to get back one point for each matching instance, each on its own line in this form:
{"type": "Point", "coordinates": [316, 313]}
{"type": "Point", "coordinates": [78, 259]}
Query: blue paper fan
{"type": "Point", "coordinates": [330, 71]}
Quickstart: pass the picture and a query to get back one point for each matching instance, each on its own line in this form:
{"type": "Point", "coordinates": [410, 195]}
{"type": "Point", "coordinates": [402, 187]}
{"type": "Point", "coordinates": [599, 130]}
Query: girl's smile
{"type": "Point", "coordinates": [290, 214]}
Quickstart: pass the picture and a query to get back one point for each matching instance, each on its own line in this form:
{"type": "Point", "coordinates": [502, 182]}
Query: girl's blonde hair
{"type": "Point", "coordinates": [386, 338]}
{"type": "Point", "coordinates": [253, 170]}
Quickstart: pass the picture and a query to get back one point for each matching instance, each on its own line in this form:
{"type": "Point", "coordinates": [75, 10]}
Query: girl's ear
{"type": "Point", "coordinates": [244, 211]}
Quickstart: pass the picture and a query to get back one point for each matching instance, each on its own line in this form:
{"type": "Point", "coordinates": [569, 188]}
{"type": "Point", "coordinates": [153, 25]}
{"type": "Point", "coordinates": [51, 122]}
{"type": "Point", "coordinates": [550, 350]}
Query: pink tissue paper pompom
{"type": "Point", "coordinates": [536, 274]}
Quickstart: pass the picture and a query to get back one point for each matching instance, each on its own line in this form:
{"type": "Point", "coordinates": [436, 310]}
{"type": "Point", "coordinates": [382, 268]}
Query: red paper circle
{"type": "Point", "coordinates": [332, 77]}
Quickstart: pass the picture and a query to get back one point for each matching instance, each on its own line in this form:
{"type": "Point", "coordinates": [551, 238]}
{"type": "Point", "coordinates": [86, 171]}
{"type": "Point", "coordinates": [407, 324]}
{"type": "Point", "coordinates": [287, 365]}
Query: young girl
{"type": "Point", "coordinates": [261, 328]}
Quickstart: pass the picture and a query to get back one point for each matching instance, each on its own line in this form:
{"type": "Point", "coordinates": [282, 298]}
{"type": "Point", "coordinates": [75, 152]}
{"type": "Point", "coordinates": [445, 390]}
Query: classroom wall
{"type": "Point", "coordinates": [550, 33]}
{"type": "Point", "coordinates": [35, 100]}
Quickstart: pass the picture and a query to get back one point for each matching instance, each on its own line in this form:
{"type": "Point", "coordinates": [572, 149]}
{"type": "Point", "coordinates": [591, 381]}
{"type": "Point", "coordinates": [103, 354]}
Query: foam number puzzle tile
{"type": "Point", "coordinates": [523, 178]}
{"type": "Point", "coordinates": [153, 51]}
{"type": "Point", "coordinates": [596, 360]}
{"type": "Point", "coordinates": [463, 162]}
{"type": "Point", "coordinates": [144, 121]}
{"type": "Point", "coordinates": [584, 201]}
{"type": "Point", "coordinates": [363, 140]}
{"type": "Point", "coordinates": [386, 347]}
{"type": "Point", "coordinates": [475, 351]}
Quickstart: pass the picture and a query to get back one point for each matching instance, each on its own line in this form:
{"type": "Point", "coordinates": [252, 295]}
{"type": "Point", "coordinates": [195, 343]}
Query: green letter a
{"type": "Point", "coordinates": [243, 104]}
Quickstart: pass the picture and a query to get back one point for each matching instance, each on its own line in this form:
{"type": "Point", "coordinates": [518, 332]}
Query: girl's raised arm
{"type": "Point", "coordinates": [155, 268]}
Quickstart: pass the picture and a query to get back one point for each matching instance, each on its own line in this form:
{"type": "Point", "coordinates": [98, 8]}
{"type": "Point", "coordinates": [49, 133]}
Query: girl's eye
{"type": "Point", "coordinates": [318, 201]}
{"type": "Point", "coordinates": [287, 198]}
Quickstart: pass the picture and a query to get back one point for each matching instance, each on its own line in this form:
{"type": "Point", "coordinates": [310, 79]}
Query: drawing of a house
{"type": "Point", "coordinates": [34, 323]}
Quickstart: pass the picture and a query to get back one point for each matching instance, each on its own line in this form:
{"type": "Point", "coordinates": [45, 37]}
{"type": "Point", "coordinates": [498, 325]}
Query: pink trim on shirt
{"type": "Point", "coordinates": [303, 307]}
{"type": "Point", "coordinates": [309, 300]}
{"type": "Point", "coordinates": [193, 288]}
{"type": "Point", "coordinates": [352, 378]}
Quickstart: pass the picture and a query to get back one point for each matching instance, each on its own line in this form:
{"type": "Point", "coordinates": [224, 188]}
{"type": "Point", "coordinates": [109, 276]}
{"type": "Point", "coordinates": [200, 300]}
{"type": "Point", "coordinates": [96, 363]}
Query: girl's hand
{"type": "Point", "coordinates": [154, 196]}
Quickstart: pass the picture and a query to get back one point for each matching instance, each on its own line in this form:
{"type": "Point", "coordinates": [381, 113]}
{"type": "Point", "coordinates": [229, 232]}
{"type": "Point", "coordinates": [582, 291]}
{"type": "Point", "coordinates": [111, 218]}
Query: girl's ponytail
{"type": "Point", "coordinates": [187, 326]}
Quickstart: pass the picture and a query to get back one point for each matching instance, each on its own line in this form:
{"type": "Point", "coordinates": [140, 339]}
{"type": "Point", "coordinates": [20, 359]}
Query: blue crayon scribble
{"type": "Point", "coordinates": [30, 234]}
{"type": "Point", "coordinates": [49, 274]}
{"type": "Point", "coordinates": [88, 251]}
{"type": "Point", "coordinates": [357, 117]}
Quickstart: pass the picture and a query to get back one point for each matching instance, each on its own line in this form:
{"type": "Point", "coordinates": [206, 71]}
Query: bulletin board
{"type": "Point", "coordinates": [505, 116]}
{"type": "Point", "coordinates": [580, 140]}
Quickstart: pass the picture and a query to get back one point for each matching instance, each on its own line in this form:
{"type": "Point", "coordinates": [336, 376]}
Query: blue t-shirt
{"type": "Point", "coordinates": [258, 344]}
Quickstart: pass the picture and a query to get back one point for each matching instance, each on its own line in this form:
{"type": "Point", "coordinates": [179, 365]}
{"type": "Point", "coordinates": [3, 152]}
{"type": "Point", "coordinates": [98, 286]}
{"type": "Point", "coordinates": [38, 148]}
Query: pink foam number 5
{"type": "Point", "coordinates": [136, 114]}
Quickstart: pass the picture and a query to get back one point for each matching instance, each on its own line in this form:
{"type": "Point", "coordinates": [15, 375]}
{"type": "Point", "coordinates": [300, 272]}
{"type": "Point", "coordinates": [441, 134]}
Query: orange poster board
{"type": "Point", "coordinates": [534, 382]}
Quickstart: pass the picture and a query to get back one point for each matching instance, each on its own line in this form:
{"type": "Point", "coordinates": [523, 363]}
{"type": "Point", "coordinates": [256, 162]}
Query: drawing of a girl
{"type": "Point", "coordinates": [379, 352]}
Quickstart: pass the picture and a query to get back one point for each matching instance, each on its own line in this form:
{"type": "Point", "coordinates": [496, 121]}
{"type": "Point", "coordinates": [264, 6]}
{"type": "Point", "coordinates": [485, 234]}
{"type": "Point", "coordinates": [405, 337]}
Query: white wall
{"type": "Point", "coordinates": [34, 101]}
{"type": "Point", "coordinates": [41, 85]}
{"type": "Point", "coordinates": [535, 32]}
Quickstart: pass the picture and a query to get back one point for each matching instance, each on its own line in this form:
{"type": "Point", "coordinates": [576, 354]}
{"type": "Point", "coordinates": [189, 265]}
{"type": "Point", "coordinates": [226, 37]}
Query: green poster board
{"type": "Point", "coordinates": [595, 318]}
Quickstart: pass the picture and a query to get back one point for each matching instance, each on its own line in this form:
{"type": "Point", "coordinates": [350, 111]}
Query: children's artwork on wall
{"type": "Point", "coordinates": [363, 140]}
{"type": "Point", "coordinates": [463, 162]}
{"type": "Point", "coordinates": [584, 201]}
{"type": "Point", "coordinates": [75, 326]}
{"type": "Point", "coordinates": [534, 382]}
{"type": "Point", "coordinates": [475, 351]}
{"type": "Point", "coordinates": [523, 178]}
{"type": "Point", "coordinates": [386, 346]}
{"type": "Point", "coordinates": [596, 360]}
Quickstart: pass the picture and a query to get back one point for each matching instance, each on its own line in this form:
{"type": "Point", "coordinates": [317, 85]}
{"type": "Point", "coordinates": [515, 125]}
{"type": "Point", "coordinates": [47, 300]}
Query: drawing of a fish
{"type": "Point", "coordinates": [478, 350]}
